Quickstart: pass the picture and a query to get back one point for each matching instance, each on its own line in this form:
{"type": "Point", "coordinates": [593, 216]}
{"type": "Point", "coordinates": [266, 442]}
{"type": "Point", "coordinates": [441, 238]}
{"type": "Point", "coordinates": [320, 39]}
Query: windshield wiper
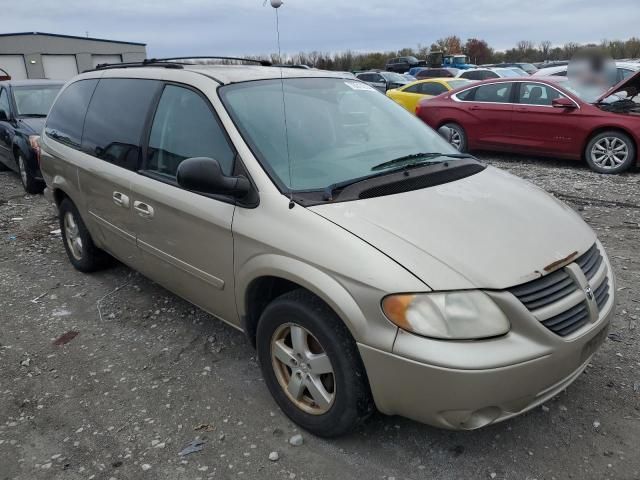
{"type": "Point", "coordinates": [33, 115]}
{"type": "Point", "coordinates": [417, 159]}
{"type": "Point", "coordinates": [407, 160]}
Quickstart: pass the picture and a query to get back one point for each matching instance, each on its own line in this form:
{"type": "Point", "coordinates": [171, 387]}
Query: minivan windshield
{"type": "Point", "coordinates": [336, 130]}
{"type": "Point", "coordinates": [35, 101]}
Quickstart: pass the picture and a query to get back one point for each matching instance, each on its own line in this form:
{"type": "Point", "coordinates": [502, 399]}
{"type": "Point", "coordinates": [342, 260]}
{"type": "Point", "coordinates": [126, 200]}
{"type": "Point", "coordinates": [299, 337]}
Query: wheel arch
{"type": "Point", "coordinates": [268, 276]}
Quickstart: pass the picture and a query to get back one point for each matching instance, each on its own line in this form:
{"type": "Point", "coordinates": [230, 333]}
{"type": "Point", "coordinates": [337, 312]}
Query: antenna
{"type": "Point", "coordinates": [276, 4]}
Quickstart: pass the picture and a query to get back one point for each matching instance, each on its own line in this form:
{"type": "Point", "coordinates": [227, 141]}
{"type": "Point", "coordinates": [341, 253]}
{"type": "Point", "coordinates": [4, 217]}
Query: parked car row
{"type": "Point", "coordinates": [545, 116]}
{"type": "Point", "coordinates": [314, 214]}
{"type": "Point", "coordinates": [24, 105]}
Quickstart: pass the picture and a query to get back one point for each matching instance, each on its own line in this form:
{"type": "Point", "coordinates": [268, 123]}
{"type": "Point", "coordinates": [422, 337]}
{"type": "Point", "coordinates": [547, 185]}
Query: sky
{"type": "Point", "coordinates": [246, 27]}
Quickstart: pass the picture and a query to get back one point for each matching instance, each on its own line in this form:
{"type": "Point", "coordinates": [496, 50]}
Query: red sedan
{"type": "Point", "coordinates": [543, 116]}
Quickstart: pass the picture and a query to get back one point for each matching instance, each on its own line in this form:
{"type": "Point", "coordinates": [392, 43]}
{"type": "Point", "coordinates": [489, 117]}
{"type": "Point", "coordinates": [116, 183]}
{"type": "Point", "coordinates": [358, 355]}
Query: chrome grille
{"type": "Point", "coordinates": [559, 287]}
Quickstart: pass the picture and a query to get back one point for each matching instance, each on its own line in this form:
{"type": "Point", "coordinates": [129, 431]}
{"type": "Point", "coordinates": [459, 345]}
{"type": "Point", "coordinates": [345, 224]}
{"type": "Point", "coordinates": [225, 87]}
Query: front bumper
{"type": "Point", "coordinates": [467, 385]}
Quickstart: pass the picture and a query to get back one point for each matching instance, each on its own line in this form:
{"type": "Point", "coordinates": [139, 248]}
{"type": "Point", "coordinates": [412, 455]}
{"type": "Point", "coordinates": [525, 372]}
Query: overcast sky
{"type": "Point", "coordinates": [238, 27]}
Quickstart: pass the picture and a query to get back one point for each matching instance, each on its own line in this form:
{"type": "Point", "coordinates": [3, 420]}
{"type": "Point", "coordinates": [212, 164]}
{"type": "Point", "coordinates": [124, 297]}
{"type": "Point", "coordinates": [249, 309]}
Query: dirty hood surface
{"type": "Point", "coordinates": [489, 230]}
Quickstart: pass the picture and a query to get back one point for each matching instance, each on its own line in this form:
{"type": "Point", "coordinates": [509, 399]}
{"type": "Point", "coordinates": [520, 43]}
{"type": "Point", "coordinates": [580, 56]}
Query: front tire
{"type": "Point", "coordinates": [82, 252]}
{"type": "Point", "coordinates": [610, 152]}
{"type": "Point", "coordinates": [30, 184]}
{"type": "Point", "coordinates": [311, 365]}
{"type": "Point", "coordinates": [458, 137]}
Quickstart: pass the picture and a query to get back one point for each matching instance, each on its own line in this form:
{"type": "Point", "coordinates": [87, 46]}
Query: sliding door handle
{"type": "Point", "coordinates": [142, 209]}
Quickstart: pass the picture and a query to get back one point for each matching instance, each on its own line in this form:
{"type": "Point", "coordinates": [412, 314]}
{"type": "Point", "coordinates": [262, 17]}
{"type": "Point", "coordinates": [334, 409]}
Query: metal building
{"type": "Point", "coordinates": [60, 57]}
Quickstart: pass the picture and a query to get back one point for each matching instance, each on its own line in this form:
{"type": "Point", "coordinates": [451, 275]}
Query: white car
{"type": "Point", "coordinates": [625, 69]}
{"type": "Point", "coordinates": [487, 73]}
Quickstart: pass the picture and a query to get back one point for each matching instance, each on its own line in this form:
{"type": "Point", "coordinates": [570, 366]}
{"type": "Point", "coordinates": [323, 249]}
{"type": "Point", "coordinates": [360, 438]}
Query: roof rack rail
{"type": "Point", "coordinates": [264, 63]}
{"type": "Point", "coordinates": [144, 63]}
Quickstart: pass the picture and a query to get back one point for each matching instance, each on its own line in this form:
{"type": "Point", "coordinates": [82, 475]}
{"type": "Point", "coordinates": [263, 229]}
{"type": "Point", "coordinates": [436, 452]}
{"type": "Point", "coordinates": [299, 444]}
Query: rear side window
{"type": "Point", "coordinates": [494, 93]}
{"type": "Point", "coordinates": [466, 95]}
{"type": "Point", "coordinates": [472, 75]}
{"type": "Point", "coordinates": [184, 127]}
{"type": "Point", "coordinates": [433, 89]}
{"type": "Point", "coordinates": [413, 89]}
{"type": "Point", "coordinates": [116, 118]}
{"type": "Point", "coordinates": [66, 117]}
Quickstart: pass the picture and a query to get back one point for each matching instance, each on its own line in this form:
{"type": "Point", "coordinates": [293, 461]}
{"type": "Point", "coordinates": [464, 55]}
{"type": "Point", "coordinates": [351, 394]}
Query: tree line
{"type": "Point", "coordinates": [478, 51]}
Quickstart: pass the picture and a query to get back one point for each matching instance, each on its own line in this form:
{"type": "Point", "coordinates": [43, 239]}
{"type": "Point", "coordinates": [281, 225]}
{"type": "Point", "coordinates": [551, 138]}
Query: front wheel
{"type": "Point", "coordinates": [311, 365]}
{"type": "Point", "coordinates": [458, 139]}
{"type": "Point", "coordinates": [30, 184]}
{"type": "Point", "coordinates": [610, 152]}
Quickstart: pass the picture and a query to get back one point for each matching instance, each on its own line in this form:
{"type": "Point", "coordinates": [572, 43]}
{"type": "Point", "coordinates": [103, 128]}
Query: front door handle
{"type": "Point", "coordinates": [142, 209]}
{"type": "Point", "coordinates": [120, 199]}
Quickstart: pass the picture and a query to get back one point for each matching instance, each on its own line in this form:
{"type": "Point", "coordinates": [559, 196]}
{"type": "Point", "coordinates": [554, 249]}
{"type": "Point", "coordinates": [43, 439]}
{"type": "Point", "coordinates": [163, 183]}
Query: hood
{"type": "Point", "coordinates": [36, 124]}
{"type": "Point", "coordinates": [490, 230]}
{"type": "Point", "coordinates": [632, 82]}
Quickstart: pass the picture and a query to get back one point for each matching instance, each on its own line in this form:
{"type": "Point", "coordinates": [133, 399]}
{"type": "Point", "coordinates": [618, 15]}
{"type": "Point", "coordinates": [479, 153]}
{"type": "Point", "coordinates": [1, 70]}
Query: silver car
{"type": "Point", "coordinates": [371, 264]}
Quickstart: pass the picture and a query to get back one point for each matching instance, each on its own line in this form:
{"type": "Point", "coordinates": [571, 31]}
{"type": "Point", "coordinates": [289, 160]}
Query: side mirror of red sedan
{"type": "Point", "coordinates": [563, 102]}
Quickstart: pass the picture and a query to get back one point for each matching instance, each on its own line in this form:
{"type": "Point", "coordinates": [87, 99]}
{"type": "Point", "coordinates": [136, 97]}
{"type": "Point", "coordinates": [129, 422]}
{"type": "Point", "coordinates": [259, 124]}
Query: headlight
{"type": "Point", "coordinates": [463, 315]}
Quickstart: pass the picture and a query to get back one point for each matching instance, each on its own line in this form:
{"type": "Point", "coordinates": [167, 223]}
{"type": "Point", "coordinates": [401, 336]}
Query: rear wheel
{"type": "Point", "coordinates": [458, 139]}
{"type": "Point", "coordinates": [610, 152]}
{"type": "Point", "coordinates": [311, 365]}
{"type": "Point", "coordinates": [82, 252]}
{"type": "Point", "coordinates": [30, 184]}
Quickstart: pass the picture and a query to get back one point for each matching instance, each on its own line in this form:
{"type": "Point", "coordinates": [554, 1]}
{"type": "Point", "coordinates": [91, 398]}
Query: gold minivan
{"type": "Point", "coordinates": [371, 265]}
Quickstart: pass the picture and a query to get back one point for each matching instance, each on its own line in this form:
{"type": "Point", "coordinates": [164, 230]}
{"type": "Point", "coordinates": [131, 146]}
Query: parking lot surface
{"type": "Point", "coordinates": [110, 376]}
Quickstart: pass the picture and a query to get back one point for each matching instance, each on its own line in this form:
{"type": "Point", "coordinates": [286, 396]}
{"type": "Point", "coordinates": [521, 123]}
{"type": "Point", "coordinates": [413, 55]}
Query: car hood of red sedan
{"type": "Point", "coordinates": [630, 83]}
{"type": "Point", "coordinates": [490, 230]}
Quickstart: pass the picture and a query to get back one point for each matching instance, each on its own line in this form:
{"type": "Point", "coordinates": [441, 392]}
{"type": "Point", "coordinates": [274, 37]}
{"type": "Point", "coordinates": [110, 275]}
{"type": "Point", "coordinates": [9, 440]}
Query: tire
{"type": "Point", "coordinates": [458, 137]}
{"type": "Point", "coordinates": [610, 152]}
{"type": "Point", "coordinates": [84, 256]}
{"type": "Point", "coordinates": [30, 184]}
{"type": "Point", "coordinates": [345, 391]}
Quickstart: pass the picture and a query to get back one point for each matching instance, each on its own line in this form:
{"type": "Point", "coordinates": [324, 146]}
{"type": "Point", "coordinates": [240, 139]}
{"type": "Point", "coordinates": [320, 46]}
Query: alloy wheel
{"type": "Point", "coordinates": [609, 152]}
{"type": "Point", "coordinates": [303, 369]}
{"type": "Point", "coordinates": [456, 139]}
{"type": "Point", "coordinates": [72, 236]}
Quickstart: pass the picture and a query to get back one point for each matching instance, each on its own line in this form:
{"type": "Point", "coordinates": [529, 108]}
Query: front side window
{"type": "Point", "coordinates": [494, 93]}
{"type": "Point", "coordinates": [537, 94]}
{"type": "Point", "coordinates": [115, 120]}
{"type": "Point", "coordinates": [336, 130]}
{"type": "Point", "coordinates": [35, 101]}
{"type": "Point", "coordinates": [66, 118]}
{"type": "Point", "coordinates": [184, 126]}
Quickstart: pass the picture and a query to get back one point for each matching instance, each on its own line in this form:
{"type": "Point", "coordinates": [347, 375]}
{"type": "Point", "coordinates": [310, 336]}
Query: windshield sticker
{"type": "Point", "coordinates": [360, 86]}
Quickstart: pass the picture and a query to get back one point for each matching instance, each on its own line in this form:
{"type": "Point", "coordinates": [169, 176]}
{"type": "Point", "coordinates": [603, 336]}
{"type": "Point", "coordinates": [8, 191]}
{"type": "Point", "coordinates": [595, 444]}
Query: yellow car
{"type": "Point", "coordinates": [409, 95]}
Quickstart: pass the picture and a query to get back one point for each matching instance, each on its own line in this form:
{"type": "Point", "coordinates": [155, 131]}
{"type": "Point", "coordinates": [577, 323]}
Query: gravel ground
{"type": "Point", "coordinates": [146, 374]}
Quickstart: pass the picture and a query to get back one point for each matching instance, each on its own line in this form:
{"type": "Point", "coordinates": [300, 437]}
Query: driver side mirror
{"type": "Point", "coordinates": [205, 175]}
{"type": "Point", "coordinates": [563, 102]}
{"type": "Point", "coordinates": [446, 133]}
